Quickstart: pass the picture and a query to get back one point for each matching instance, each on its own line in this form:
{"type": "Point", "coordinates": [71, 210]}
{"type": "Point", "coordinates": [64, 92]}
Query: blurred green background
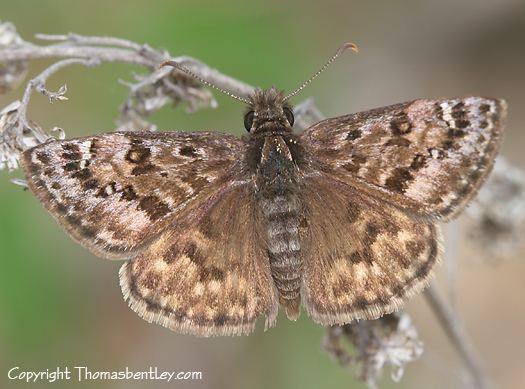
{"type": "Point", "coordinates": [61, 306]}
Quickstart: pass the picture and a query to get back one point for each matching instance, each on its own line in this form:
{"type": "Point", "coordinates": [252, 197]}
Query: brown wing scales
{"type": "Point", "coordinates": [362, 258]}
{"type": "Point", "coordinates": [209, 274]}
{"type": "Point", "coordinates": [427, 156]}
{"type": "Point", "coordinates": [116, 192]}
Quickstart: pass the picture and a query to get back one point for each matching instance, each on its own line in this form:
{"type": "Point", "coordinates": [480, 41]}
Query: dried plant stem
{"type": "Point", "coordinates": [30, 51]}
{"type": "Point", "coordinates": [38, 84]}
{"type": "Point", "coordinates": [458, 336]}
{"type": "Point", "coordinates": [97, 41]}
{"type": "Point", "coordinates": [101, 49]}
{"type": "Point", "coordinates": [91, 50]}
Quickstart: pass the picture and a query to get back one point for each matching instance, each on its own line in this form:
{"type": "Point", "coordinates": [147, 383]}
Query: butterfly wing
{"type": "Point", "coordinates": [427, 156]}
{"type": "Point", "coordinates": [362, 257]}
{"type": "Point", "coordinates": [116, 192]}
{"type": "Point", "coordinates": [208, 274]}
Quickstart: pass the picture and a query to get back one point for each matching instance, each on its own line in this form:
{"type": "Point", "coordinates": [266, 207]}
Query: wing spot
{"type": "Point", "coordinates": [188, 151]}
{"type": "Point", "coordinates": [418, 162]}
{"type": "Point", "coordinates": [129, 194]}
{"type": "Point", "coordinates": [400, 124]}
{"type": "Point", "coordinates": [154, 207]}
{"type": "Point", "coordinates": [354, 134]}
{"type": "Point", "coordinates": [462, 123]}
{"type": "Point", "coordinates": [196, 182]}
{"type": "Point", "coordinates": [75, 156]}
{"type": "Point", "coordinates": [138, 154]}
{"type": "Point", "coordinates": [90, 184]}
{"type": "Point", "coordinates": [484, 108]}
{"type": "Point", "coordinates": [456, 133]}
{"type": "Point", "coordinates": [172, 254]}
{"type": "Point", "coordinates": [212, 273]}
{"type": "Point", "coordinates": [355, 164]}
{"type": "Point", "coordinates": [72, 166]}
{"type": "Point", "coordinates": [399, 180]}
{"type": "Point", "coordinates": [458, 111]}
{"type": "Point", "coordinates": [71, 151]}
{"type": "Point", "coordinates": [415, 248]}
{"type": "Point", "coordinates": [439, 111]}
{"type": "Point", "coordinates": [361, 303]}
{"type": "Point", "coordinates": [93, 147]}
{"type": "Point", "coordinates": [475, 175]}
{"type": "Point", "coordinates": [70, 147]}
{"type": "Point", "coordinates": [353, 212]}
{"type": "Point", "coordinates": [193, 254]}
{"type": "Point", "coordinates": [61, 208]}
{"type": "Point", "coordinates": [361, 256]}
{"type": "Point", "coordinates": [372, 230]}
{"type": "Point", "coordinates": [143, 169]}
{"type": "Point", "coordinates": [83, 174]}
{"type": "Point", "coordinates": [448, 144]}
{"type": "Point", "coordinates": [303, 223]}
{"type": "Point", "coordinates": [73, 220]}
{"type": "Point", "coordinates": [87, 232]}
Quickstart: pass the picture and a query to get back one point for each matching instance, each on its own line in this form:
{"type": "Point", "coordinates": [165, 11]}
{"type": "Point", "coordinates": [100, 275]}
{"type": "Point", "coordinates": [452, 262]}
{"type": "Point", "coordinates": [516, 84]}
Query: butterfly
{"type": "Point", "coordinates": [217, 231]}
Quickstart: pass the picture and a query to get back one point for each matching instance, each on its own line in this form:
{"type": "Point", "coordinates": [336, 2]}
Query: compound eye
{"type": "Point", "coordinates": [248, 120]}
{"type": "Point", "coordinates": [289, 115]}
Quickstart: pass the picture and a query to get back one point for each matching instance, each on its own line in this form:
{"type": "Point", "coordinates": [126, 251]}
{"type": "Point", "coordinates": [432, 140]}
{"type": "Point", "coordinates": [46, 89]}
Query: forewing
{"type": "Point", "coordinates": [363, 257]}
{"type": "Point", "coordinates": [428, 156]}
{"type": "Point", "coordinates": [209, 274]}
{"type": "Point", "coordinates": [115, 192]}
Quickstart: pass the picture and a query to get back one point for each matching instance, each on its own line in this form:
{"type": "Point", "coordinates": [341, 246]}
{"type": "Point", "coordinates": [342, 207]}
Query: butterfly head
{"type": "Point", "coordinates": [268, 111]}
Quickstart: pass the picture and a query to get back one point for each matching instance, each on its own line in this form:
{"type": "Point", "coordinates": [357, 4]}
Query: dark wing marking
{"type": "Point", "coordinates": [116, 192]}
{"type": "Point", "coordinates": [362, 257]}
{"type": "Point", "coordinates": [427, 156]}
{"type": "Point", "coordinates": [208, 274]}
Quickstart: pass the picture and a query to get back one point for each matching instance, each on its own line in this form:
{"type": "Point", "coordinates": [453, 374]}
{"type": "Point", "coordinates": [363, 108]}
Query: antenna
{"type": "Point", "coordinates": [343, 47]}
{"type": "Point", "coordinates": [184, 69]}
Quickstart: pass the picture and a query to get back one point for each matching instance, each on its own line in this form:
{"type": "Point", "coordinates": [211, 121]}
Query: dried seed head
{"type": "Point", "coordinates": [12, 140]}
{"type": "Point", "coordinates": [391, 340]}
{"type": "Point", "coordinates": [14, 72]}
{"type": "Point", "coordinates": [497, 215]}
{"type": "Point", "coordinates": [152, 92]}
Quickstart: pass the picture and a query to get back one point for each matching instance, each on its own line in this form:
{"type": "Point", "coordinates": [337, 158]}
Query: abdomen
{"type": "Point", "coordinates": [282, 214]}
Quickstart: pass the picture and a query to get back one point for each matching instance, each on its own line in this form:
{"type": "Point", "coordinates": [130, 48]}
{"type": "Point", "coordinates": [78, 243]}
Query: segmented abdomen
{"type": "Point", "coordinates": [284, 248]}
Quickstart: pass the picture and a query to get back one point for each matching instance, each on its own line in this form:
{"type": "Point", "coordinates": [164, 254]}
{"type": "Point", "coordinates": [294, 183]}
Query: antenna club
{"type": "Point", "coordinates": [348, 45]}
{"type": "Point", "coordinates": [168, 63]}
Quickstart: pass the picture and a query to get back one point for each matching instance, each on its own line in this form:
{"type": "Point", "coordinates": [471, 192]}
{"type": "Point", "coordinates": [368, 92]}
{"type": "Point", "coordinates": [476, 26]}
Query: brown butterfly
{"type": "Point", "coordinates": [218, 230]}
